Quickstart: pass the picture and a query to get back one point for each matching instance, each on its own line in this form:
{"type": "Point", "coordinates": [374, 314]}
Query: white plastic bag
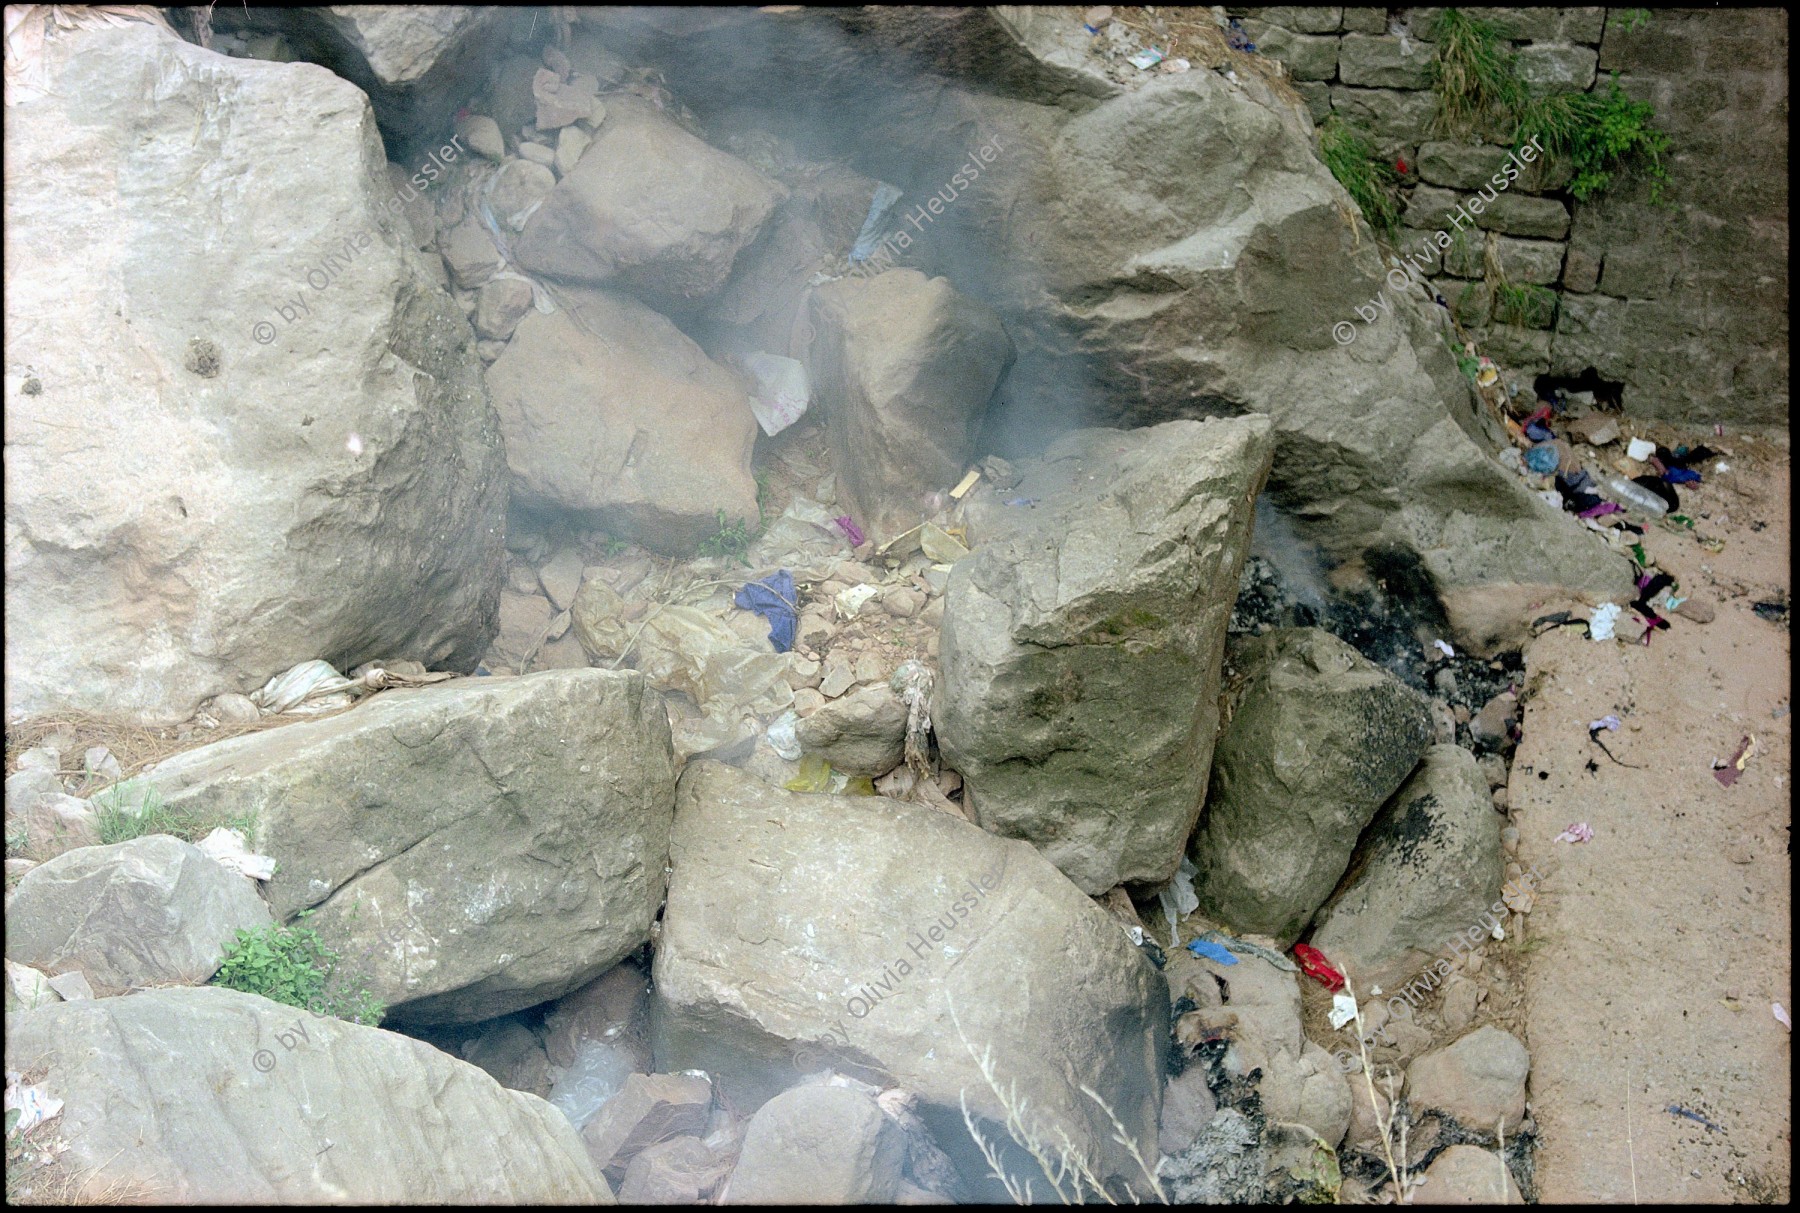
{"type": "Point", "coordinates": [1178, 897]}
{"type": "Point", "coordinates": [596, 1075]}
{"type": "Point", "coordinates": [782, 391]}
{"type": "Point", "coordinates": [230, 848]}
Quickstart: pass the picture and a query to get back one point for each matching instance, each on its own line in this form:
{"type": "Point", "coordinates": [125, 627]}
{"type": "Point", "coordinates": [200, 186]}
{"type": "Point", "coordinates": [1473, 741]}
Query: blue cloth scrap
{"type": "Point", "coordinates": [1537, 431]}
{"type": "Point", "coordinates": [1207, 950]}
{"type": "Point", "coordinates": [1681, 476]}
{"type": "Point", "coordinates": [774, 599]}
{"type": "Point", "coordinates": [1542, 459]}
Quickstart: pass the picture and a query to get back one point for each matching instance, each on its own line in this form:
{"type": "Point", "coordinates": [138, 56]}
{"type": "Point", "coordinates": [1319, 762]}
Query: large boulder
{"type": "Point", "coordinates": [252, 432]}
{"type": "Point", "coordinates": [1319, 737]}
{"type": "Point", "coordinates": [210, 1096]}
{"type": "Point", "coordinates": [1082, 640]}
{"type": "Point", "coordinates": [650, 205]}
{"type": "Point", "coordinates": [474, 847]}
{"type": "Point", "coordinates": [902, 367]}
{"type": "Point", "coordinates": [147, 912]}
{"type": "Point", "coordinates": [820, 1145]}
{"type": "Point", "coordinates": [1426, 878]}
{"type": "Point", "coordinates": [1479, 1080]}
{"type": "Point", "coordinates": [895, 943]}
{"type": "Point", "coordinates": [610, 412]}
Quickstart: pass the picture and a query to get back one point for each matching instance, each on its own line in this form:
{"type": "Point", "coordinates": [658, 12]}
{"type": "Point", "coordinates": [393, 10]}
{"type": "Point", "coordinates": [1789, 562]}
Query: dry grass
{"type": "Point", "coordinates": [136, 746]}
{"type": "Point", "coordinates": [1384, 1121]}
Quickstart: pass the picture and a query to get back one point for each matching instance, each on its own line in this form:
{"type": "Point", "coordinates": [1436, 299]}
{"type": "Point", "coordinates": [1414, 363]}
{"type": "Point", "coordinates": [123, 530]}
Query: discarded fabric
{"type": "Point", "coordinates": [1600, 625]}
{"type": "Point", "coordinates": [1542, 458]}
{"type": "Point", "coordinates": [1537, 431]}
{"type": "Point", "coordinates": [1681, 476]}
{"type": "Point", "coordinates": [852, 532]}
{"type": "Point", "coordinates": [1678, 1110]}
{"type": "Point", "coordinates": [1247, 948]}
{"type": "Point", "coordinates": [1207, 950]}
{"type": "Point", "coordinates": [1578, 831]}
{"type": "Point", "coordinates": [1601, 510]}
{"type": "Point", "coordinates": [1610, 723]}
{"type": "Point", "coordinates": [1314, 965]}
{"type": "Point", "coordinates": [775, 600]}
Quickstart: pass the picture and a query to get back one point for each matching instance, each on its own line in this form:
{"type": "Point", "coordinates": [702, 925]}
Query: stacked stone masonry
{"type": "Point", "coordinates": [1684, 303]}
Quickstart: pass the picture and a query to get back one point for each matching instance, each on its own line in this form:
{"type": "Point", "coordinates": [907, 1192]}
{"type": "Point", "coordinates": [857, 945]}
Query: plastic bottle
{"type": "Point", "coordinates": [1632, 496]}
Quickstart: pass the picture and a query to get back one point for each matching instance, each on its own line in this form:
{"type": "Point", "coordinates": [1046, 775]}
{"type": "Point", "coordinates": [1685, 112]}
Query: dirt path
{"type": "Point", "coordinates": [1665, 939]}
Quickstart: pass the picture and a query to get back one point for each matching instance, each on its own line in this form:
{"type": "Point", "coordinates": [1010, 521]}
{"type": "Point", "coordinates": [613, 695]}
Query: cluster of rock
{"type": "Point", "coordinates": [725, 912]}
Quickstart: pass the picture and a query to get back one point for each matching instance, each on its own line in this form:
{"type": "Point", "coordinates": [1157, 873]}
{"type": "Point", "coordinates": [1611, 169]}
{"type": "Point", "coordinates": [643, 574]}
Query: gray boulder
{"type": "Point", "coordinates": [152, 911]}
{"type": "Point", "coordinates": [651, 206]}
{"type": "Point", "coordinates": [285, 471]}
{"type": "Point", "coordinates": [875, 936]}
{"type": "Point", "coordinates": [818, 1145]}
{"type": "Point", "coordinates": [513, 1056]}
{"type": "Point", "coordinates": [649, 1108]}
{"type": "Point", "coordinates": [1427, 874]}
{"type": "Point", "coordinates": [474, 847]}
{"type": "Point", "coordinates": [611, 413]}
{"type": "Point", "coordinates": [1319, 738]}
{"type": "Point", "coordinates": [679, 1171]}
{"type": "Point", "coordinates": [1082, 639]}
{"type": "Point", "coordinates": [902, 369]}
{"type": "Point", "coordinates": [860, 734]}
{"type": "Point", "coordinates": [1478, 1079]}
{"type": "Point", "coordinates": [210, 1096]}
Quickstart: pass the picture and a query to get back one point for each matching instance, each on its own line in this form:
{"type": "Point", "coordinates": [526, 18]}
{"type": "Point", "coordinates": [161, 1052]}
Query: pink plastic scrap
{"type": "Point", "coordinates": [1609, 723]}
{"type": "Point", "coordinates": [1577, 832]}
{"type": "Point", "coordinates": [1601, 510]}
{"type": "Point", "coordinates": [1781, 1015]}
{"type": "Point", "coordinates": [851, 530]}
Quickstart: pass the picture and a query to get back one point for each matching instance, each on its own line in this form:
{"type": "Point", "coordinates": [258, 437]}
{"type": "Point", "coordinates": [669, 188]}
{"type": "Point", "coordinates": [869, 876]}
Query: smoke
{"type": "Point", "coordinates": [1297, 563]}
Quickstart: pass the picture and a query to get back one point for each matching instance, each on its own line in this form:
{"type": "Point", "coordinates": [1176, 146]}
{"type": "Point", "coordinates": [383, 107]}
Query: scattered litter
{"type": "Point", "coordinates": [1609, 723]}
{"type": "Point", "coordinates": [1601, 510]}
{"type": "Point", "coordinates": [1023, 501]}
{"type": "Point", "coordinates": [1781, 1015]}
{"type": "Point", "coordinates": [1600, 626]}
{"type": "Point", "coordinates": [1781, 711]}
{"type": "Point", "coordinates": [1175, 66]}
{"type": "Point", "coordinates": [965, 484]}
{"type": "Point", "coordinates": [307, 689]}
{"type": "Point", "coordinates": [1178, 897]}
{"type": "Point", "coordinates": [1542, 458]}
{"type": "Point", "coordinates": [1343, 1010]}
{"type": "Point", "coordinates": [1774, 612]}
{"type": "Point", "coordinates": [1640, 449]}
{"type": "Point", "coordinates": [1727, 774]}
{"type": "Point", "coordinates": [1633, 494]}
{"type": "Point", "coordinates": [782, 738]}
{"type": "Point", "coordinates": [1678, 1110]}
{"type": "Point", "coordinates": [940, 545]}
{"type": "Point", "coordinates": [852, 532]}
{"type": "Point", "coordinates": [1146, 59]}
{"type": "Point", "coordinates": [818, 775]}
{"type": "Point", "coordinates": [852, 600]}
{"type": "Point", "coordinates": [1251, 949]}
{"type": "Point", "coordinates": [1578, 831]}
{"type": "Point", "coordinates": [781, 393]}
{"type": "Point", "coordinates": [870, 236]}
{"type": "Point", "coordinates": [33, 1104]}
{"type": "Point", "coordinates": [775, 600]}
{"type": "Point", "coordinates": [1557, 619]}
{"type": "Point", "coordinates": [1098, 18]}
{"type": "Point", "coordinates": [231, 849]}
{"type": "Point", "coordinates": [1314, 965]}
{"type": "Point", "coordinates": [1681, 476]}
{"type": "Point", "coordinates": [1207, 950]}
{"type": "Point", "coordinates": [1444, 648]}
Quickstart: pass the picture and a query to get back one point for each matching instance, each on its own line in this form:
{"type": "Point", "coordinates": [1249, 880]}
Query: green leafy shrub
{"type": "Point", "coordinates": [1365, 176]}
{"type": "Point", "coordinates": [732, 541]}
{"type": "Point", "coordinates": [292, 965]}
{"type": "Point", "coordinates": [1479, 92]}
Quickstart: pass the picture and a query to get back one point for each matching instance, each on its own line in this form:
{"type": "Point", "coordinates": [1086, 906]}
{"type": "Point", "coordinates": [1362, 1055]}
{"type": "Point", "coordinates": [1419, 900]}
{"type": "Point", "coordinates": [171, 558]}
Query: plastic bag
{"type": "Point", "coordinates": [596, 1075]}
{"type": "Point", "coordinates": [781, 736]}
{"type": "Point", "coordinates": [308, 680]}
{"type": "Point", "coordinates": [1178, 897]}
{"type": "Point", "coordinates": [782, 391]}
{"type": "Point", "coordinates": [230, 848]}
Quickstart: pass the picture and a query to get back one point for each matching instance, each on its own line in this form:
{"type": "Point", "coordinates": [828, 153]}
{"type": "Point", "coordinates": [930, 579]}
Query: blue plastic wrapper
{"type": "Point", "coordinates": [1207, 950]}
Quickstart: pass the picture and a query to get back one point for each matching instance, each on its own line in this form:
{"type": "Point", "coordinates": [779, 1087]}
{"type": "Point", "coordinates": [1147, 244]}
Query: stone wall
{"type": "Point", "coordinates": [1685, 304]}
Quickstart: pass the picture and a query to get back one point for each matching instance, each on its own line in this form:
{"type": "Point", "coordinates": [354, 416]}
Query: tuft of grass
{"type": "Point", "coordinates": [120, 821]}
{"type": "Point", "coordinates": [1479, 93]}
{"type": "Point", "coordinates": [291, 965]}
{"type": "Point", "coordinates": [732, 541]}
{"type": "Point", "coordinates": [1365, 175]}
{"type": "Point", "coordinates": [1526, 306]}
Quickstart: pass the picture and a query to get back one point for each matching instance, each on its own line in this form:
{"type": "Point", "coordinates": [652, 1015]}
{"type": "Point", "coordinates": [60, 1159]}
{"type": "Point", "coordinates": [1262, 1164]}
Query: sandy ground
{"type": "Point", "coordinates": [1656, 949]}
